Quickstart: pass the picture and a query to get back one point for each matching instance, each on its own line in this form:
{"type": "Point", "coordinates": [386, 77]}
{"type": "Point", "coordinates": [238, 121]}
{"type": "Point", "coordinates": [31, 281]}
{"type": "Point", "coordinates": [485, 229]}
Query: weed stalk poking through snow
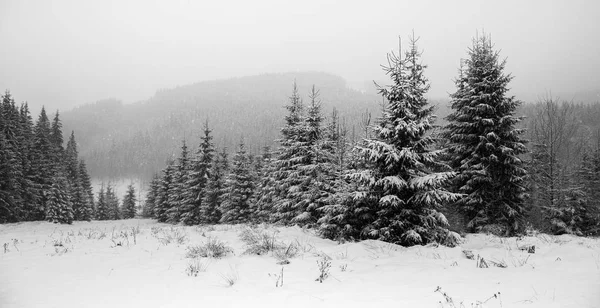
{"type": "Point", "coordinates": [324, 265]}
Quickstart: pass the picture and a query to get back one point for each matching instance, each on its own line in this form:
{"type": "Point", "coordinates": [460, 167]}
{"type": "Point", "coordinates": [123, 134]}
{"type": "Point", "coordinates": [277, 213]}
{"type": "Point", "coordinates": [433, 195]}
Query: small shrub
{"type": "Point", "coordinates": [324, 264]}
{"type": "Point", "coordinates": [287, 252]}
{"type": "Point", "coordinates": [213, 248]}
{"type": "Point", "coordinates": [231, 277]}
{"type": "Point", "coordinates": [344, 267]}
{"type": "Point", "coordinates": [259, 242]}
{"type": "Point", "coordinates": [196, 266]}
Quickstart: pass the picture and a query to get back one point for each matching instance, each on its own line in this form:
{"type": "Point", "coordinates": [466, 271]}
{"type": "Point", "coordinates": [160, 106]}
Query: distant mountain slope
{"type": "Point", "coordinates": [135, 140]}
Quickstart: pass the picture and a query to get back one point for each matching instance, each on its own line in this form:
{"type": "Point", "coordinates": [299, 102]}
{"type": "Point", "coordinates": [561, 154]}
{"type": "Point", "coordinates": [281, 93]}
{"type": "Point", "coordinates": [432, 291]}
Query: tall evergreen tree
{"type": "Point", "coordinates": [31, 192]}
{"type": "Point", "coordinates": [291, 155]}
{"type": "Point", "coordinates": [403, 190]}
{"type": "Point", "coordinates": [102, 206]}
{"type": "Point", "coordinates": [215, 188]}
{"type": "Point", "coordinates": [484, 143]}
{"type": "Point", "coordinates": [196, 181]}
{"type": "Point", "coordinates": [112, 203]}
{"type": "Point", "coordinates": [59, 208]}
{"type": "Point", "coordinates": [165, 189]}
{"type": "Point", "coordinates": [11, 190]}
{"type": "Point", "coordinates": [85, 184]}
{"type": "Point", "coordinates": [176, 198]}
{"type": "Point", "coordinates": [150, 202]}
{"type": "Point", "coordinates": [56, 139]}
{"type": "Point", "coordinates": [42, 163]}
{"type": "Point", "coordinates": [129, 201]}
{"type": "Point", "coordinates": [239, 189]}
{"type": "Point", "coordinates": [317, 169]}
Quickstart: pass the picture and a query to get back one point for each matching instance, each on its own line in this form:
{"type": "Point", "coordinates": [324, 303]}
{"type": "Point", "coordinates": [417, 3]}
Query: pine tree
{"type": "Point", "coordinates": [150, 202]}
{"type": "Point", "coordinates": [30, 190]}
{"type": "Point", "coordinates": [102, 206]}
{"type": "Point", "coordinates": [112, 203]}
{"type": "Point", "coordinates": [11, 191]}
{"type": "Point", "coordinates": [59, 209]}
{"type": "Point", "coordinates": [196, 181]}
{"type": "Point", "coordinates": [403, 193]}
{"type": "Point", "coordinates": [239, 189]}
{"type": "Point", "coordinates": [484, 143]}
{"type": "Point", "coordinates": [85, 184]}
{"type": "Point", "coordinates": [42, 164]}
{"type": "Point", "coordinates": [291, 155]}
{"type": "Point", "coordinates": [317, 171]}
{"type": "Point", "coordinates": [56, 140]}
{"type": "Point", "coordinates": [265, 188]}
{"type": "Point", "coordinates": [129, 203]}
{"type": "Point", "coordinates": [165, 189]}
{"type": "Point", "coordinates": [215, 188]}
{"type": "Point", "coordinates": [176, 198]}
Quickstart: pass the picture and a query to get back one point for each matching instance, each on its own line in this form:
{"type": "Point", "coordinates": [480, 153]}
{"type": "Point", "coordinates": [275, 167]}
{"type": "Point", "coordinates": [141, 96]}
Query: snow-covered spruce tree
{"type": "Point", "coordinates": [164, 190]}
{"type": "Point", "coordinates": [317, 171]}
{"type": "Point", "coordinates": [215, 188]}
{"type": "Point", "coordinates": [31, 193]}
{"type": "Point", "coordinates": [112, 203]}
{"type": "Point", "coordinates": [58, 207]}
{"type": "Point", "coordinates": [265, 188]}
{"type": "Point", "coordinates": [196, 180]}
{"type": "Point", "coordinates": [239, 189]}
{"type": "Point", "coordinates": [292, 154]}
{"type": "Point", "coordinates": [484, 143]}
{"type": "Point", "coordinates": [176, 197]}
{"type": "Point", "coordinates": [42, 163]}
{"type": "Point", "coordinates": [11, 203]}
{"type": "Point", "coordinates": [129, 201]}
{"type": "Point", "coordinates": [102, 210]}
{"type": "Point", "coordinates": [57, 140]}
{"type": "Point", "coordinates": [401, 183]}
{"type": "Point", "coordinates": [87, 211]}
{"type": "Point", "coordinates": [150, 202]}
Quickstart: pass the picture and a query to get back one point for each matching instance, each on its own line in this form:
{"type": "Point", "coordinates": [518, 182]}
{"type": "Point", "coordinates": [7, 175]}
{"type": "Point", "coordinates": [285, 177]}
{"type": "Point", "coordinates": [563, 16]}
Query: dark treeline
{"type": "Point", "coordinates": [40, 179]}
{"type": "Point", "coordinates": [404, 180]}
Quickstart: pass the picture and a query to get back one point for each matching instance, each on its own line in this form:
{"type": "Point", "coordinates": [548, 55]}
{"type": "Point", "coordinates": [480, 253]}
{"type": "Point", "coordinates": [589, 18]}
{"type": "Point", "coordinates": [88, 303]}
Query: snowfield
{"type": "Point", "coordinates": [141, 263]}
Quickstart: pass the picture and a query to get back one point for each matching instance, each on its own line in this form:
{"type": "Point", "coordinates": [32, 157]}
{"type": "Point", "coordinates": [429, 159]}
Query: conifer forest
{"type": "Point", "coordinates": [400, 174]}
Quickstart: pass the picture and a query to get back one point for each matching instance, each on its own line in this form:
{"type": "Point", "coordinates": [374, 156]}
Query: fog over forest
{"type": "Point", "coordinates": [62, 54]}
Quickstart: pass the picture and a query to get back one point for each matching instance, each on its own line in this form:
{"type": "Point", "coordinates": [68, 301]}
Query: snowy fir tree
{"type": "Point", "coordinates": [176, 196]}
{"type": "Point", "coordinates": [317, 170]}
{"type": "Point", "coordinates": [129, 203]}
{"type": "Point", "coordinates": [112, 203]}
{"type": "Point", "coordinates": [165, 188]}
{"type": "Point", "coordinates": [265, 190]}
{"type": "Point", "coordinates": [237, 204]}
{"type": "Point", "coordinates": [102, 209]}
{"type": "Point", "coordinates": [215, 188]}
{"type": "Point", "coordinates": [150, 202]}
{"type": "Point", "coordinates": [196, 180]}
{"type": "Point", "coordinates": [404, 193]}
{"type": "Point", "coordinates": [290, 156]}
{"type": "Point", "coordinates": [87, 211]}
{"type": "Point", "coordinates": [485, 144]}
{"type": "Point", "coordinates": [58, 207]}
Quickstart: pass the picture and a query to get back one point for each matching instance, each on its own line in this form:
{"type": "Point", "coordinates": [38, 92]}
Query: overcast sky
{"type": "Point", "coordinates": [67, 53]}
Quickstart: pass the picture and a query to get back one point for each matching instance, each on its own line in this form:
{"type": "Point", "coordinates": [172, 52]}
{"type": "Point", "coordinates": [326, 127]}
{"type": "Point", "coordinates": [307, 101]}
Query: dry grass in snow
{"type": "Point", "coordinates": [141, 263]}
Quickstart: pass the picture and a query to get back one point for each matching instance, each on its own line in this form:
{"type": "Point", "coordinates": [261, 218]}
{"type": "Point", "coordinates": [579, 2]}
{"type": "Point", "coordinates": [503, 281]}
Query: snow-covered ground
{"type": "Point", "coordinates": [102, 264]}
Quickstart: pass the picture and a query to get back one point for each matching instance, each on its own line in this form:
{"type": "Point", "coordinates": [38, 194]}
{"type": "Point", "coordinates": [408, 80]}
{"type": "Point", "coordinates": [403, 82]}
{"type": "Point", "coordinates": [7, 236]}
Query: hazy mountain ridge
{"type": "Point", "coordinates": [119, 139]}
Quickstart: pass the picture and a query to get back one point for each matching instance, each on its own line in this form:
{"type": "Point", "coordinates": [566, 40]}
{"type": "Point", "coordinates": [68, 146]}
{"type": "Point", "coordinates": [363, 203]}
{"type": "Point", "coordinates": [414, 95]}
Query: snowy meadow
{"type": "Point", "coordinates": [142, 263]}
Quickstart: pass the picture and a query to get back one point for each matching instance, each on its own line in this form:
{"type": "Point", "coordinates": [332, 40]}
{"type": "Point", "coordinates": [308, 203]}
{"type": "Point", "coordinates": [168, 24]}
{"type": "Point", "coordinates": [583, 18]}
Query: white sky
{"type": "Point", "coordinates": [66, 53]}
